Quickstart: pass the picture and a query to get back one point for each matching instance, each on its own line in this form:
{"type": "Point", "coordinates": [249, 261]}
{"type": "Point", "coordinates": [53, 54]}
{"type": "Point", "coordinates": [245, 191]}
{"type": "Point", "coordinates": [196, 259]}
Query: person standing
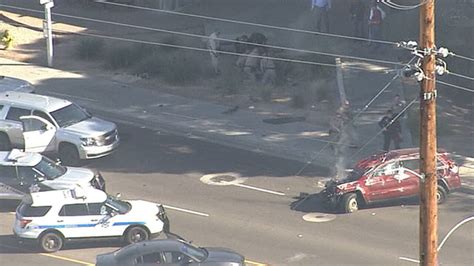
{"type": "Point", "coordinates": [267, 68]}
{"type": "Point", "coordinates": [376, 17]}
{"type": "Point", "coordinates": [320, 9]}
{"type": "Point", "coordinates": [357, 10]}
{"type": "Point", "coordinates": [213, 46]}
{"type": "Point", "coordinates": [392, 130]}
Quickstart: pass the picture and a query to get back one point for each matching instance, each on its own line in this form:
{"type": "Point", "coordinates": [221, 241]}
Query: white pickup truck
{"type": "Point", "coordinates": [38, 123]}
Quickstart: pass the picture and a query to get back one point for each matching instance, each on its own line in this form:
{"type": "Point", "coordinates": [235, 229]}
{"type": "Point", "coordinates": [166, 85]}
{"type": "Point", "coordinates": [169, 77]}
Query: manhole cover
{"type": "Point", "coordinates": [316, 217]}
{"type": "Point", "coordinates": [222, 179]}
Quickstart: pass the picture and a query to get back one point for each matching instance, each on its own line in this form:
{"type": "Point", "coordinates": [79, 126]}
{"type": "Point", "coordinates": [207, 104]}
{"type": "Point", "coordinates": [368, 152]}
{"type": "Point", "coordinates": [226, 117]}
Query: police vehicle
{"type": "Point", "coordinates": [51, 217]}
{"type": "Point", "coordinates": [23, 172]}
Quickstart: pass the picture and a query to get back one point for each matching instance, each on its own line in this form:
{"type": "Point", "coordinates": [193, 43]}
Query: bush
{"type": "Point", "coordinates": [180, 67]}
{"type": "Point", "coordinates": [90, 48]}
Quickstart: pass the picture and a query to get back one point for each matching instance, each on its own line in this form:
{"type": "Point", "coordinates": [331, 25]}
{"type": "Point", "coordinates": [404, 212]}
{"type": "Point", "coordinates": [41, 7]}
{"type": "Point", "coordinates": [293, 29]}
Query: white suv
{"type": "Point", "coordinates": [46, 124]}
{"type": "Point", "coordinates": [51, 217]}
{"type": "Point", "coordinates": [21, 173]}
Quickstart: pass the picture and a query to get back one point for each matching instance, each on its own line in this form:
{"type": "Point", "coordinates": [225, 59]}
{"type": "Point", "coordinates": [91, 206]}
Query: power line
{"type": "Point", "coordinates": [394, 5]}
{"type": "Point", "coordinates": [251, 23]}
{"type": "Point", "coordinates": [459, 75]}
{"type": "Point", "coordinates": [207, 37]}
{"type": "Point", "coordinates": [455, 86]}
{"type": "Point", "coordinates": [385, 127]}
{"type": "Point", "coordinates": [221, 52]}
{"type": "Point", "coordinates": [463, 57]}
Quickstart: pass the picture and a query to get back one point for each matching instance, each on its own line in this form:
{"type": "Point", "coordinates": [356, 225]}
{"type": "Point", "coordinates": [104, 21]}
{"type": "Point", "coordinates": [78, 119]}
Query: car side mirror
{"type": "Point", "coordinates": [58, 161]}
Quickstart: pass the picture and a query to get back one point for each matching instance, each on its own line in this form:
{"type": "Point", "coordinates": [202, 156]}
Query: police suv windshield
{"type": "Point", "coordinates": [119, 206]}
{"type": "Point", "coordinates": [70, 115]}
{"type": "Point", "coordinates": [49, 169]}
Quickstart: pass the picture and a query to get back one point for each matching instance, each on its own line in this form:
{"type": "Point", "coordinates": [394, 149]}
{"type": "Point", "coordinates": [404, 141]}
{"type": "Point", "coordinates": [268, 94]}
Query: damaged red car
{"type": "Point", "coordinates": [387, 176]}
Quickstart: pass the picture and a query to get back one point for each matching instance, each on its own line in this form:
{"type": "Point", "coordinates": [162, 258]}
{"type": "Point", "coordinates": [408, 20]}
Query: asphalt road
{"type": "Point", "coordinates": [260, 224]}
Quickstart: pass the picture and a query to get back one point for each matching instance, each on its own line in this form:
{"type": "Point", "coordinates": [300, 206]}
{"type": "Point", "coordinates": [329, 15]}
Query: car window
{"type": "Point", "coordinates": [175, 257]}
{"type": "Point", "coordinates": [27, 174]}
{"type": "Point", "coordinates": [1, 107]}
{"type": "Point", "coordinates": [388, 169]}
{"type": "Point", "coordinates": [73, 210]}
{"type": "Point", "coordinates": [412, 164]}
{"type": "Point", "coordinates": [33, 125]}
{"type": "Point", "coordinates": [7, 172]}
{"type": "Point", "coordinates": [43, 115]}
{"type": "Point", "coordinates": [97, 208]}
{"type": "Point", "coordinates": [27, 210]}
{"type": "Point", "coordinates": [69, 115]}
{"type": "Point", "coordinates": [15, 113]}
{"type": "Point", "coordinates": [149, 259]}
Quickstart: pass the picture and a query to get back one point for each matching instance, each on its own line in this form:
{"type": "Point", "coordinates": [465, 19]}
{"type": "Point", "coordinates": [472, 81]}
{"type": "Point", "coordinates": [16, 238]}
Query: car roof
{"type": "Point", "coordinates": [150, 245]}
{"type": "Point", "coordinates": [66, 196]}
{"type": "Point", "coordinates": [17, 157]}
{"type": "Point", "coordinates": [14, 84]}
{"type": "Point", "coordinates": [36, 101]}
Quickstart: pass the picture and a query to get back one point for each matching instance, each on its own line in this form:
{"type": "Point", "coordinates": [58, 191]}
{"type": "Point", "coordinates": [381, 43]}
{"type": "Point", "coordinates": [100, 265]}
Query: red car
{"type": "Point", "coordinates": [388, 176]}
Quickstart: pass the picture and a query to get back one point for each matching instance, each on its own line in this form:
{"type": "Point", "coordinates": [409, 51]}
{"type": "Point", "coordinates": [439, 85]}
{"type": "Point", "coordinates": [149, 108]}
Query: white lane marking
{"type": "Point", "coordinates": [260, 189]}
{"type": "Point", "coordinates": [72, 96]}
{"type": "Point", "coordinates": [187, 211]}
{"type": "Point", "coordinates": [409, 259]}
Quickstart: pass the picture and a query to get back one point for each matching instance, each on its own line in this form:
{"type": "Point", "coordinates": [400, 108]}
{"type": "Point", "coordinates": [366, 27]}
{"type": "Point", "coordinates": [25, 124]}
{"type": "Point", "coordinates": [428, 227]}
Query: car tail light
{"type": "Point", "coordinates": [24, 222]}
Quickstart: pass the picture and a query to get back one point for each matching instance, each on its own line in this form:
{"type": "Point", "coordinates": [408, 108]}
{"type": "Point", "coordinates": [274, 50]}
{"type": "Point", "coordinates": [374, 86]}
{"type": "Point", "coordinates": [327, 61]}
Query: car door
{"type": "Point", "coordinates": [382, 185]}
{"type": "Point", "coordinates": [74, 221]}
{"type": "Point", "coordinates": [409, 180]}
{"type": "Point", "coordinates": [13, 125]}
{"type": "Point", "coordinates": [101, 217]}
{"type": "Point", "coordinates": [38, 133]}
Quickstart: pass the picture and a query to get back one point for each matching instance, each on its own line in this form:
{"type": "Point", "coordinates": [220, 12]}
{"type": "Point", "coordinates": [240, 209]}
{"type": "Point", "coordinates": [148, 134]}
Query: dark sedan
{"type": "Point", "coordinates": [169, 252]}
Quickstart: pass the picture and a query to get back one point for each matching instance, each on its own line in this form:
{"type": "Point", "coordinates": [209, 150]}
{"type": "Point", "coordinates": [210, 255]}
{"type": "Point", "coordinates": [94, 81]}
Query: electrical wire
{"type": "Point", "coordinates": [464, 57]}
{"type": "Point", "coordinates": [221, 39]}
{"type": "Point", "coordinates": [455, 86]}
{"type": "Point", "coordinates": [251, 23]}
{"type": "Point", "coordinates": [221, 52]}
{"type": "Point", "coordinates": [394, 5]}
{"type": "Point", "coordinates": [459, 75]}
{"type": "Point", "coordinates": [385, 127]}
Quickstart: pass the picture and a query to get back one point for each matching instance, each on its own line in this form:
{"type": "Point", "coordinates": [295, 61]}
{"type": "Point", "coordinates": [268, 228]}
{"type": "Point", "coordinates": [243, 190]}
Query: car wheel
{"type": "Point", "coordinates": [5, 144]}
{"type": "Point", "coordinates": [136, 234]}
{"type": "Point", "coordinates": [441, 195]}
{"type": "Point", "coordinates": [69, 155]}
{"type": "Point", "coordinates": [349, 203]}
{"type": "Point", "coordinates": [51, 242]}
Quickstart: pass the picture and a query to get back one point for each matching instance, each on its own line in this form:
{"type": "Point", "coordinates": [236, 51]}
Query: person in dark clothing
{"type": "Point", "coordinates": [357, 10]}
{"type": "Point", "coordinates": [392, 130]}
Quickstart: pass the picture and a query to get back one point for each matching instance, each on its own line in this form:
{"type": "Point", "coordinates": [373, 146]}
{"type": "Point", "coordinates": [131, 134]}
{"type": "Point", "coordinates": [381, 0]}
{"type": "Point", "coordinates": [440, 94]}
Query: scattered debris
{"type": "Point", "coordinates": [231, 110]}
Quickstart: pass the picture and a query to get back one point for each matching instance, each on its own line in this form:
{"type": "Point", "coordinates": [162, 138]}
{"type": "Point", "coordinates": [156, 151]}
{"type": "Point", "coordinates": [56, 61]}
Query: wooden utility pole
{"type": "Point", "coordinates": [428, 186]}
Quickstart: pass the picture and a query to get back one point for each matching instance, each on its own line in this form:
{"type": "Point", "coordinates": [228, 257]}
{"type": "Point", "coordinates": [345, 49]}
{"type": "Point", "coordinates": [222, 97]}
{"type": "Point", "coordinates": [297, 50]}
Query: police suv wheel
{"type": "Point", "coordinates": [136, 234]}
{"type": "Point", "coordinates": [349, 203]}
{"type": "Point", "coordinates": [51, 242]}
{"type": "Point", "coordinates": [5, 144]}
{"type": "Point", "coordinates": [69, 155]}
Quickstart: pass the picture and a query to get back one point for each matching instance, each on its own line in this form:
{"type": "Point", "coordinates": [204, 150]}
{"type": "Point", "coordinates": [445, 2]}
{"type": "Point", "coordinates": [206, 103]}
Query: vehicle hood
{"type": "Point", "coordinates": [73, 176]}
{"type": "Point", "coordinates": [223, 255]}
{"type": "Point", "coordinates": [14, 84]}
{"type": "Point", "coordinates": [141, 206]}
{"type": "Point", "coordinates": [92, 127]}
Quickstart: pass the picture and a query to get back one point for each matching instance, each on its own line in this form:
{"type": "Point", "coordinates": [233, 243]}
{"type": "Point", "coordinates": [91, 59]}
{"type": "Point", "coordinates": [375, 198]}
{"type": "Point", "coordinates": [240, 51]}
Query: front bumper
{"type": "Point", "coordinates": [329, 199]}
{"type": "Point", "coordinates": [93, 152]}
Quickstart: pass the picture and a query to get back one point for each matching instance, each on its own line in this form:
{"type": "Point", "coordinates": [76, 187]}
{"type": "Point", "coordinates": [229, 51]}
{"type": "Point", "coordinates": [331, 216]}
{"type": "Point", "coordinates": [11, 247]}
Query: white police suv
{"type": "Point", "coordinates": [51, 217]}
{"type": "Point", "coordinates": [24, 172]}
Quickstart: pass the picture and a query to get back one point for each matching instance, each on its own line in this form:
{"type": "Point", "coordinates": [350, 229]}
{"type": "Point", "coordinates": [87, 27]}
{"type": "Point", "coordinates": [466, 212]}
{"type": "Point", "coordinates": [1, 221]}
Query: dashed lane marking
{"type": "Point", "coordinates": [255, 263]}
{"type": "Point", "coordinates": [409, 259]}
{"type": "Point", "coordinates": [186, 211]}
{"type": "Point", "coordinates": [260, 189]}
